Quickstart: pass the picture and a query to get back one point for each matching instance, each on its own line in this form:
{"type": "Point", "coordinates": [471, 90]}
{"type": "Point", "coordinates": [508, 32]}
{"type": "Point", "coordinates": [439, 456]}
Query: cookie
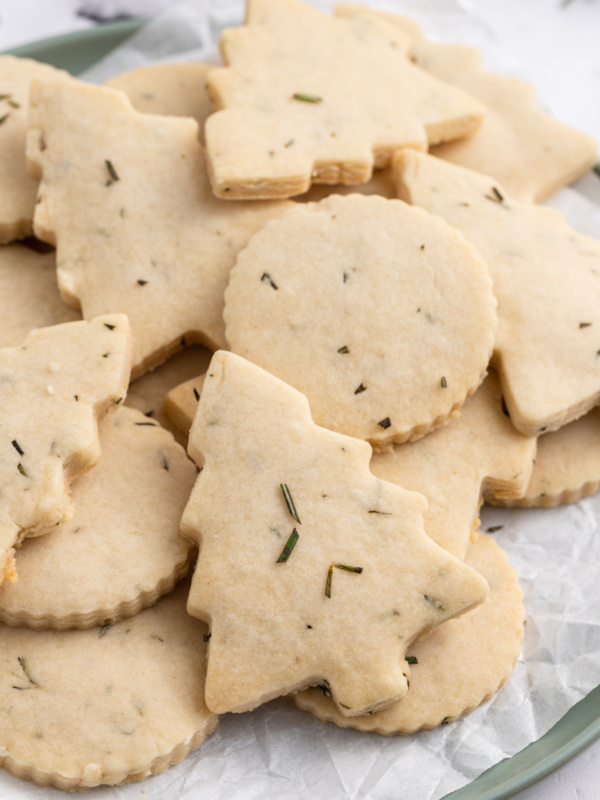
{"type": "Point", "coordinates": [567, 466]}
{"type": "Point", "coordinates": [527, 151]}
{"type": "Point", "coordinates": [546, 277]}
{"type": "Point", "coordinates": [139, 710]}
{"type": "Point", "coordinates": [31, 296]}
{"type": "Point", "coordinates": [182, 401]}
{"type": "Point", "coordinates": [308, 97]}
{"type": "Point", "coordinates": [18, 190]}
{"type": "Point", "coordinates": [158, 246]}
{"type": "Point", "coordinates": [310, 568]}
{"type": "Point", "coordinates": [383, 317]}
{"type": "Point", "coordinates": [479, 451]}
{"type": "Point", "coordinates": [172, 89]}
{"type": "Point", "coordinates": [122, 549]}
{"type": "Point", "coordinates": [54, 389]}
{"type": "Point", "coordinates": [150, 392]}
{"type": "Point", "coordinates": [458, 666]}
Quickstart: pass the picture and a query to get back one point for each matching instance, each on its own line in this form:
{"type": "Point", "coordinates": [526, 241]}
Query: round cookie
{"type": "Point", "coordinates": [122, 548]}
{"type": "Point", "coordinates": [137, 711]}
{"type": "Point", "coordinates": [382, 317]}
{"type": "Point", "coordinates": [31, 297]}
{"type": "Point", "coordinates": [567, 466]}
{"type": "Point", "coordinates": [458, 666]}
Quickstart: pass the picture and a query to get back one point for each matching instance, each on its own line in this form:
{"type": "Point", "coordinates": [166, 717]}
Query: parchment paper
{"type": "Point", "coordinates": [278, 752]}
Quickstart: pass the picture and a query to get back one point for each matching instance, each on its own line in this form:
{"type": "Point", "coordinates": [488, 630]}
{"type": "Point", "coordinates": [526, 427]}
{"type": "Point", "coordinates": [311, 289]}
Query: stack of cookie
{"type": "Point", "coordinates": [384, 361]}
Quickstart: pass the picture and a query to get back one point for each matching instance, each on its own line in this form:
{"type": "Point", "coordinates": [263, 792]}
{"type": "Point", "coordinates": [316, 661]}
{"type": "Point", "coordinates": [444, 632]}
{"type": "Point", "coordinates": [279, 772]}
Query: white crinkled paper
{"type": "Point", "coordinates": [280, 753]}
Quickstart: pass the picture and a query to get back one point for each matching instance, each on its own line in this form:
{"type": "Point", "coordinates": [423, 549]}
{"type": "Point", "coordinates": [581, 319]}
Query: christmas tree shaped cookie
{"type": "Point", "coordinates": [130, 210]}
{"type": "Point", "coordinates": [18, 189]}
{"type": "Point", "coordinates": [306, 96]}
{"type": "Point", "coordinates": [531, 154]}
{"type": "Point", "coordinates": [53, 391]}
{"type": "Point", "coordinates": [311, 570]}
{"type": "Point", "coordinates": [546, 278]}
{"type": "Point", "coordinates": [479, 451]}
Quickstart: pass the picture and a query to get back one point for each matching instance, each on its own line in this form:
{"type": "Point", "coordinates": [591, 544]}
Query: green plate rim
{"type": "Point", "coordinates": [581, 725]}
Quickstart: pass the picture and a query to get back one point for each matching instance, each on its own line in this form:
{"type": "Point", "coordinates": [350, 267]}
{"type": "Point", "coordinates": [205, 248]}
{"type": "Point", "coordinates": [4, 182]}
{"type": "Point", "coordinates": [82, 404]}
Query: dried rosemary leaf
{"type": "Point", "coordinates": [411, 660]}
{"type": "Point", "coordinates": [287, 496]}
{"type": "Point", "coordinates": [111, 170]}
{"type": "Point", "coordinates": [307, 98]}
{"type": "Point", "coordinates": [289, 546]}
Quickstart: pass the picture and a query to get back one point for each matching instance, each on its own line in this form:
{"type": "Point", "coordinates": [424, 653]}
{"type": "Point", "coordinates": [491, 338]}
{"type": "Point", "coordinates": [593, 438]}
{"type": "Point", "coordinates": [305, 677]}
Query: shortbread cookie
{"type": "Point", "coordinates": [479, 451]}
{"type": "Point", "coordinates": [382, 183]}
{"type": "Point", "coordinates": [546, 278]}
{"type": "Point", "coordinates": [122, 549]}
{"type": "Point", "coordinates": [460, 665]}
{"type": "Point", "coordinates": [149, 393]}
{"type": "Point", "coordinates": [531, 154]}
{"type": "Point", "coordinates": [30, 297]}
{"type": "Point", "coordinates": [567, 466]}
{"type": "Point", "coordinates": [173, 89]}
{"type": "Point", "coordinates": [310, 568]}
{"type": "Point", "coordinates": [54, 389]}
{"type": "Point", "coordinates": [18, 189]}
{"type": "Point", "coordinates": [309, 97]}
{"type": "Point", "coordinates": [108, 705]}
{"type": "Point", "coordinates": [381, 316]}
{"type": "Point", "coordinates": [158, 246]}
{"type": "Point", "coordinates": [182, 401]}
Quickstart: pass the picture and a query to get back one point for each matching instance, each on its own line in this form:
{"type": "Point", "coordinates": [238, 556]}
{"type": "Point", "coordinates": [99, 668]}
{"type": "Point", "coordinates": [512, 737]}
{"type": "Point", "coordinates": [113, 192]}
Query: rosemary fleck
{"type": "Point", "coordinates": [142, 283]}
{"type": "Point", "coordinates": [584, 324]}
{"type": "Point", "coordinates": [109, 326]}
{"type": "Point", "coordinates": [32, 684]}
{"type": "Point", "coordinates": [411, 660]}
{"type": "Point", "coordinates": [307, 98]}
{"type": "Point", "coordinates": [4, 118]}
{"type": "Point", "coordinates": [385, 423]}
{"type": "Point", "coordinates": [287, 496]}
{"type": "Point", "coordinates": [361, 388]}
{"type": "Point", "coordinates": [495, 197]}
{"type": "Point", "coordinates": [103, 631]}
{"type": "Point", "coordinates": [433, 602]}
{"type": "Point", "coordinates": [15, 444]}
{"type": "Point", "coordinates": [495, 528]}
{"type": "Point", "coordinates": [111, 171]}
{"type": "Point", "coordinates": [21, 469]}
{"type": "Point", "coordinates": [289, 546]}
{"type": "Point", "coordinates": [266, 277]}
{"type": "Point", "coordinates": [383, 513]}
{"type": "Point", "coordinates": [356, 570]}
{"type": "Point", "coordinates": [444, 382]}
{"type": "Point", "coordinates": [343, 350]}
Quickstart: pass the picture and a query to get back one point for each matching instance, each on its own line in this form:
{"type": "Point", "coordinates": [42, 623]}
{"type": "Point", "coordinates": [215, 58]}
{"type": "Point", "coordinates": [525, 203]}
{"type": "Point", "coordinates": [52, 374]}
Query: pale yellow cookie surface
{"type": "Point", "coordinates": [381, 316]}
{"type": "Point", "coordinates": [107, 705]}
{"type": "Point", "coordinates": [182, 401]}
{"type": "Point", "coordinates": [54, 389]}
{"type": "Point", "coordinates": [531, 154]}
{"type": "Point", "coordinates": [567, 466]}
{"type": "Point", "coordinates": [309, 97]}
{"type": "Point", "coordinates": [344, 602]}
{"type": "Point", "coordinates": [136, 226]}
{"type": "Point", "coordinates": [149, 393]}
{"type": "Point", "coordinates": [478, 451]}
{"type": "Point", "coordinates": [18, 189]}
{"type": "Point", "coordinates": [459, 665]}
{"type": "Point", "coordinates": [547, 279]}
{"type": "Point", "coordinates": [122, 549]}
{"type": "Point", "coordinates": [173, 89]}
{"type": "Point", "coordinates": [30, 296]}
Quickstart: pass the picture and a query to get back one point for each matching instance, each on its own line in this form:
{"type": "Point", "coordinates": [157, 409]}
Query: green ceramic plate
{"type": "Point", "coordinates": [76, 52]}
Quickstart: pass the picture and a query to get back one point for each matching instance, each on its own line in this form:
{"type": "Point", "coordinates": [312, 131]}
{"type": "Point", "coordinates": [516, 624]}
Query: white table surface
{"type": "Point", "coordinates": [557, 47]}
